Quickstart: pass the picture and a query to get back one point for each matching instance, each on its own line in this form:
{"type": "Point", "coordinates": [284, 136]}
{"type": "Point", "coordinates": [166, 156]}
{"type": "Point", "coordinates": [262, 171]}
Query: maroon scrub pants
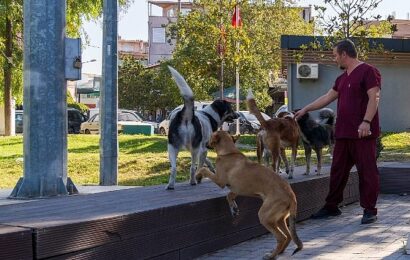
{"type": "Point", "coordinates": [362, 153]}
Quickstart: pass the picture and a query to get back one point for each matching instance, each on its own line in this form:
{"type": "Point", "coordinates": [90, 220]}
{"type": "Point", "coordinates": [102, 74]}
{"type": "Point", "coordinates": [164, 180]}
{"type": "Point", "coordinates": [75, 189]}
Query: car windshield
{"type": "Point", "coordinates": [122, 116]}
{"type": "Point", "coordinates": [283, 108]}
{"type": "Point", "coordinates": [128, 117]}
{"type": "Point", "coordinates": [250, 117]}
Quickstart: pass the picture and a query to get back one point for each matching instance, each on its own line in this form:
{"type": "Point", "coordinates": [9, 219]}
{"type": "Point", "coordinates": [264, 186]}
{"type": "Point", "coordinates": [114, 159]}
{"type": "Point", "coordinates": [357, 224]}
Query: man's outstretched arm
{"type": "Point", "coordinates": [320, 102]}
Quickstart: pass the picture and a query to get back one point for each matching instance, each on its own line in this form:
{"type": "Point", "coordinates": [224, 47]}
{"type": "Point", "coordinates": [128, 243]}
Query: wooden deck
{"type": "Point", "coordinates": [141, 223]}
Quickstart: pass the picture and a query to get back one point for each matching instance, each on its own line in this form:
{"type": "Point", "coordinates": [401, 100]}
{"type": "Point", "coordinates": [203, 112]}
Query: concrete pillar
{"type": "Point", "coordinates": [109, 97]}
{"type": "Point", "coordinates": [45, 105]}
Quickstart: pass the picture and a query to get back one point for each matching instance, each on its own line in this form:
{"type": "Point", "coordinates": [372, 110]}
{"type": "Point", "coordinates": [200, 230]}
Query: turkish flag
{"type": "Point", "coordinates": [236, 17]}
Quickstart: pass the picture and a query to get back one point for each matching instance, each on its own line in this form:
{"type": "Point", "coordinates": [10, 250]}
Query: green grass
{"type": "Point", "coordinates": [143, 160]}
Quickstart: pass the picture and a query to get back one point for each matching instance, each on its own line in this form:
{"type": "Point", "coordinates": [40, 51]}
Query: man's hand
{"type": "Point", "coordinates": [364, 130]}
{"type": "Point", "coordinates": [300, 113]}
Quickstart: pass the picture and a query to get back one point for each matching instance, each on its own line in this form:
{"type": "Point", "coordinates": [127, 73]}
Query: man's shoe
{"type": "Point", "coordinates": [368, 218]}
{"type": "Point", "coordinates": [325, 213]}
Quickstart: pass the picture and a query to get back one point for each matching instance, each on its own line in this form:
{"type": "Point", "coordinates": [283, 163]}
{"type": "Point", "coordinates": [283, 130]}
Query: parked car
{"type": "Point", "coordinates": [74, 120]}
{"type": "Point", "coordinates": [163, 127]}
{"type": "Point", "coordinates": [92, 125]}
{"type": "Point", "coordinates": [19, 121]}
{"type": "Point", "coordinates": [248, 123]}
{"type": "Point", "coordinates": [283, 108]}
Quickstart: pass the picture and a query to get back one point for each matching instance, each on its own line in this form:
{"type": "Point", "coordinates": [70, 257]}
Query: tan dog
{"type": "Point", "coordinates": [263, 153]}
{"type": "Point", "coordinates": [278, 133]}
{"type": "Point", "coordinates": [246, 178]}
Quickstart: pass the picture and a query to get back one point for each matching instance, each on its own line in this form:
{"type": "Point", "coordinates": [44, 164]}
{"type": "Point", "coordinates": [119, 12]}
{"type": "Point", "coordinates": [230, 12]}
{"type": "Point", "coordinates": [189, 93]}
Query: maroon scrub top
{"type": "Point", "coordinates": [352, 101]}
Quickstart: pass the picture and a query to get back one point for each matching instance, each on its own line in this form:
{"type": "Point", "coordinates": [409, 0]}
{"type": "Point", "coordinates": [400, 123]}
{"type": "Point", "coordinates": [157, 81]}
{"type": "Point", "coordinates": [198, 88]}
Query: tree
{"type": "Point", "coordinates": [353, 18]}
{"type": "Point", "coordinates": [145, 89]}
{"type": "Point", "coordinates": [200, 32]}
{"type": "Point", "coordinates": [11, 28]}
{"type": "Point", "coordinates": [11, 43]}
{"type": "Point", "coordinates": [79, 106]}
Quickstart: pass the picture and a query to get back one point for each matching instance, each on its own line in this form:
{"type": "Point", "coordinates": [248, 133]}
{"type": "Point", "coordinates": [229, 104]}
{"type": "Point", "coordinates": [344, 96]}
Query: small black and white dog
{"type": "Point", "coordinates": [317, 134]}
{"type": "Point", "coordinates": [193, 129]}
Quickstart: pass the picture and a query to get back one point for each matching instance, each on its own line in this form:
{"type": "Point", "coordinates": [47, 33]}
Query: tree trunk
{"type": "Point", "coordinates": [7, 68]}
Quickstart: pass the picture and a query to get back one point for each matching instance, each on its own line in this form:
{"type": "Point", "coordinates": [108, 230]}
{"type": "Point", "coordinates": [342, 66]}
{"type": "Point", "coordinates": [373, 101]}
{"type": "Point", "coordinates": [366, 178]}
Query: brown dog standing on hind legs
{"type": "Point", "coordinates": [247, 178]}
{"type": "Point", "coordinates": [278, 133]}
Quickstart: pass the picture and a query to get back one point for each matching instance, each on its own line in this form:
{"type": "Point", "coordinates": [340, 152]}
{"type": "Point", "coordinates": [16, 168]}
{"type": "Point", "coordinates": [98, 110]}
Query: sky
{"type": "Point", "coordinates": [133, 25]}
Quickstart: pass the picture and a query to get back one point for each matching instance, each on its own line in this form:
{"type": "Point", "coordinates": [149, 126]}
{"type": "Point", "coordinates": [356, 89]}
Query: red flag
{"type": "Point", "coordinates": [236, 18]}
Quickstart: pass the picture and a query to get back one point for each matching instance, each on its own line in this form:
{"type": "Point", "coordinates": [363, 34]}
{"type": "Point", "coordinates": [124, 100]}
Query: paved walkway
{"type": "Point", "coordinates": [340, 237]}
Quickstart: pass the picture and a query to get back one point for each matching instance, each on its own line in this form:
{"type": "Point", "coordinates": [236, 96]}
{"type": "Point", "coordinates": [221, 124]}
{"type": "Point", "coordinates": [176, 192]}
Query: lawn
{"type": "Point", "coordinates": [143, 160]}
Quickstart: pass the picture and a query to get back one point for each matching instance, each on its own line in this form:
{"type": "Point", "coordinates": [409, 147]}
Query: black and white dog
{"type": "Point", "coordinates": [317, 134]}
{"type": "Point", "coordinates": [193, 129]}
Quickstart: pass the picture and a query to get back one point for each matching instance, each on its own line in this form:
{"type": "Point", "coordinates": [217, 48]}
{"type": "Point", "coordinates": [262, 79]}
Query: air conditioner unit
{"type": "Point", "coordinates": [307, 71]}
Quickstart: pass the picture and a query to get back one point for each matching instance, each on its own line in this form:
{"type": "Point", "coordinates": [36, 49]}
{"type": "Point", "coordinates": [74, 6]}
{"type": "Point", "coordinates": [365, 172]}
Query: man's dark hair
{"type": "Point", "coordinates": [346, 46]}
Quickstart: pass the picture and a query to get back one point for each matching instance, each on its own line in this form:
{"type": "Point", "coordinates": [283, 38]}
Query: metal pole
{"type": "Point", "coordinates": [237, 70]}
{"type": "Point", "coordinates": [45, 102]}
{"type": "Point", "coordinates": [222, 50]}
{"type": "Point", "coordinates": [109, 97]}
{"type": "Point", "coordinates": [222, 78]}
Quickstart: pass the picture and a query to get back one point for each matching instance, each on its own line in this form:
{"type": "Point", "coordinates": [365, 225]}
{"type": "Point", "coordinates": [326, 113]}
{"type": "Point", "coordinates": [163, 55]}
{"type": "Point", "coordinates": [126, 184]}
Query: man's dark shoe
{"type": "Point", "coordinates": [368, 218]}
{"type": "Point", "coordinates": [325, 213]}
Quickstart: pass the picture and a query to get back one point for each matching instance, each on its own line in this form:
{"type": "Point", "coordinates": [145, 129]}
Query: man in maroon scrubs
{"type": "Point", "coordinates": [357, 128]}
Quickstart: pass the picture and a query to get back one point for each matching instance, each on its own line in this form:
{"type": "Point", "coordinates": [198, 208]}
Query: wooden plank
{"type": "Point", "coordinates": [66, 239]}
{"type": "Point", "coordinates": [15, 243]}
{"type": "Point", "coordinates": [395, 179]}
{"type": "Point", "coordinates": [151, 222]}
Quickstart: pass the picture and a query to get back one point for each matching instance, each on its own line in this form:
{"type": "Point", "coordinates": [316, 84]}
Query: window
{"type": "Point", "coordinates": [19, 117]}
{"type": "Point", "coordinates": [158, 35]}
{"type": "Point", "coordinates": [128, 117]}
{"type": "Point", "coordinates": [185, 11]}
{"type": "Point", "coordinates": [96, 118]}
{"type": "Point", "coordinates": [122, 117]}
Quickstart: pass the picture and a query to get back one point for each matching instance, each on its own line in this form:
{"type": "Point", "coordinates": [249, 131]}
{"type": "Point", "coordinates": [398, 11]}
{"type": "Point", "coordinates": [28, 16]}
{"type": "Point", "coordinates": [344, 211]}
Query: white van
{"type": "Point", "coordinates": [164, 125]}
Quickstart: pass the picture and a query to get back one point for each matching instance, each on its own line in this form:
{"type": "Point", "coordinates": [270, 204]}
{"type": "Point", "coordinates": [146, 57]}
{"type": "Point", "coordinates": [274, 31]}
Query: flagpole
{"type": "Point", "coordinates": [237, 69]}
{"type": "Point", "coordinates": [222, 50]}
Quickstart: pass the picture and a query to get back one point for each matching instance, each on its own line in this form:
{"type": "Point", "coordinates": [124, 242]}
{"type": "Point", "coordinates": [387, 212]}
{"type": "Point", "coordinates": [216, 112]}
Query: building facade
{"type": "Point", "coordinates": [135, 48]}
{"type": "Point", "coordinates": [160, 15]}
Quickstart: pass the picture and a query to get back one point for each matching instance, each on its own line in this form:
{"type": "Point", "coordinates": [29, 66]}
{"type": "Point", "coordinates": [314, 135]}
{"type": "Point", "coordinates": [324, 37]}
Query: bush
{"type": "Point", "coordinates": [71, 103]}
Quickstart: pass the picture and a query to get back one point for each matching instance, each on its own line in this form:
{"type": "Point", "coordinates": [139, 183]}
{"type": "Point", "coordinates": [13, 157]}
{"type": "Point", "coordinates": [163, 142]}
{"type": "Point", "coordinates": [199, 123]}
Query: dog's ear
{"type": "Point", "coordinates": [235, 137]}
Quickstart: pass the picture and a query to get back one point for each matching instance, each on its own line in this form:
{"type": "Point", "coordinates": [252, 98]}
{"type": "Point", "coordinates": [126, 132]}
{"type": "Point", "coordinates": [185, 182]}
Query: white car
{"type": "Point", "coordinates": [125, 117]}
{"type": "Point", "coordinates": [283, 108]}
{"type": "Point", "coordinates": [163, 127]}
{"type": "Point", "coordinates": [248, 123]}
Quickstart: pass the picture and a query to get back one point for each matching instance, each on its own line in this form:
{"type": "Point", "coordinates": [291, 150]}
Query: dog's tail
{"type": "Point", "coordinates": [253, 108]}
{"type": "Point", "coordinates": [326, 116]}
{"type": "Point", "coordinates": [292, 227]}
{"type": "Point", "coordinates": [186, 93]}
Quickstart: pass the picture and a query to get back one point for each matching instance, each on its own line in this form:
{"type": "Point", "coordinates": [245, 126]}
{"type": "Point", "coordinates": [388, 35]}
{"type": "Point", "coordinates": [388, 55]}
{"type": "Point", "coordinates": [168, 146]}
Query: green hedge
{"type": "Point", "coordinates": [71, 103]}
